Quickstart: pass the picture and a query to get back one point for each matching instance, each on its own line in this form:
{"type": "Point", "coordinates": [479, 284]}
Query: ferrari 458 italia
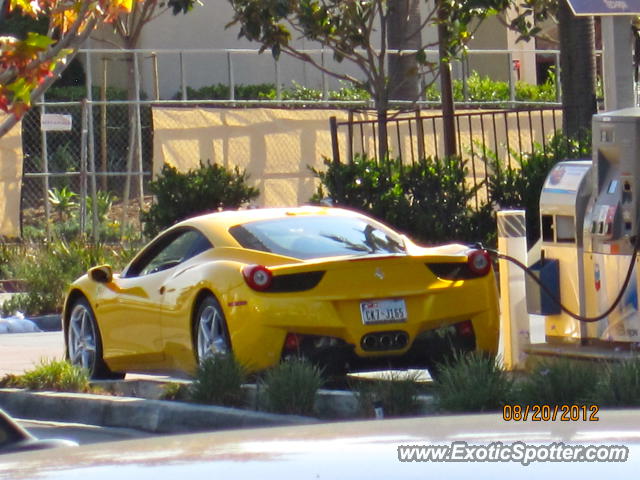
{"type": "Point", "coordinates": [329, 284]}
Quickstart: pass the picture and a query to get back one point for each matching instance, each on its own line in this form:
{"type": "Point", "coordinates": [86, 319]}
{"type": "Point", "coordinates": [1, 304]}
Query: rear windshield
{"type": "Point", "coordinates": [317, 236]}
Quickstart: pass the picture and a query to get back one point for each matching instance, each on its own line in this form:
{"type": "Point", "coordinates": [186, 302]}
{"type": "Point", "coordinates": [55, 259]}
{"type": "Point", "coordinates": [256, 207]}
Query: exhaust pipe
{"type": "Point", "coordinates": [382, 341]}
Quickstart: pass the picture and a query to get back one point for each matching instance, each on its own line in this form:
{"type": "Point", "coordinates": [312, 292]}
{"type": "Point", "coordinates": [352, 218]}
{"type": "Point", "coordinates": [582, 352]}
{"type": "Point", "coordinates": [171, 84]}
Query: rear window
{"type": "Point", "coordinates": [308, 237]}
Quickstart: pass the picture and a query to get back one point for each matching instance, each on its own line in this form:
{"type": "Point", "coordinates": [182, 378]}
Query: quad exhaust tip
{"type": "Point", "coordinates": [382, 341]}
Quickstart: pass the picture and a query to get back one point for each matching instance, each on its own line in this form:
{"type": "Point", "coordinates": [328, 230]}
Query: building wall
{"type": "Point", "coordinates": [205, 28]}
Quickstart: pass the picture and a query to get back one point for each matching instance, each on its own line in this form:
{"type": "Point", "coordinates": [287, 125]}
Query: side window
{"type": "Point", "coordinates": [169, 251]}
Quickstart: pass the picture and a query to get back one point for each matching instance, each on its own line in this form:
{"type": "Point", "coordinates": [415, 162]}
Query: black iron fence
{"type": "Point", "coordinates": [480, 136]}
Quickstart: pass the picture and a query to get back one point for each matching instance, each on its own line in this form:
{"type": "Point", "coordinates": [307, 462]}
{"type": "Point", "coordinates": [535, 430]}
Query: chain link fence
{"type": "Point", "coordinates": [91, 175]}
{"type": "Point", "coordinates": [96, 164]}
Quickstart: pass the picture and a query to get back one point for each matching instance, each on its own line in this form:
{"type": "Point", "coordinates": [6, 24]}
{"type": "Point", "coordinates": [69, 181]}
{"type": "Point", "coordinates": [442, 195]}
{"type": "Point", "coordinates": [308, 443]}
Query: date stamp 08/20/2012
{"type": "Point", "coordinates": [550, 413]}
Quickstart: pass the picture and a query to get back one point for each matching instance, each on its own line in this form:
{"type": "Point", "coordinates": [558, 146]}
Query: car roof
{"type": "Point", "coordinates": [216, 225]}
{"type": "Point", "coordinates": [365, 449]}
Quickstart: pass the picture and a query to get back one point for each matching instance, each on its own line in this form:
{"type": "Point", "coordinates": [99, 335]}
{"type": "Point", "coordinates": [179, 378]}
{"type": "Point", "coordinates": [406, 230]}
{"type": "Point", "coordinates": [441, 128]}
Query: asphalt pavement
{"type": "Point", "coordinates": [22, 351]}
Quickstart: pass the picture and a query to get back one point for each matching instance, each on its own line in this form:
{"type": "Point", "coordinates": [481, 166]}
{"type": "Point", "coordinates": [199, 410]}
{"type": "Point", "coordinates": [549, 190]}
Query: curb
{"type": "Point", "coordinates": [155, 416]}
{"type": "Point", "coordinates": [329, 404]}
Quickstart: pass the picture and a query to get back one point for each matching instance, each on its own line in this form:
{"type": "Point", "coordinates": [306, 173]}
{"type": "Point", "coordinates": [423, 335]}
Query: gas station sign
{"type": "Point", "coordinates": [604, 7]}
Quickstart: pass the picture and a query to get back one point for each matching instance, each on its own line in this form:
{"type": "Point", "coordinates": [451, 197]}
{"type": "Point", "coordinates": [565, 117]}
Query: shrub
{"type": "Point", "coordinates": [219, 381]}
{"type": "Point", "coordinates": [620, 384]}
{"type": "Point", "coordinates": [520, 186]}
{"type": "Point", "coordinates": [396, 393]}
{"type": "Point", "coordinates": [220, 91]}
{"type": "Point", "coordinates": [56, 375]}
{"type": "Point", "coordinates": [405, 195]}
{"type": "Point", "coordinates": [175, 391]}
{"type": "Point", "coordinates": [291, 387]}
{"type": "Point", "coordinates": [182, 195]}
{"type": "Point", "coordinates": [473, 382]}
{"type": "Point", "coordinates": [267, 91]}
{"type": "Point", "coordinates": [558, 382]}
{"type": "Point", "coordinates": [484, 89]}
{"type": "Point", "coordinates": [56, 266]}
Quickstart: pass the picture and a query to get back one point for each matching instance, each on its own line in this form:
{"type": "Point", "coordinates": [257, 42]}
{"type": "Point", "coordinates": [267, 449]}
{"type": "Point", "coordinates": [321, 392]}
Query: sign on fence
{"type": "Point", "coordinates": [54, 122]}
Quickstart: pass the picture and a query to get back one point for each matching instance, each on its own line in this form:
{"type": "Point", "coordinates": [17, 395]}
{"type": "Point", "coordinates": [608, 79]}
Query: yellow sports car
{"type": "Point", "coordinates": [330, 284]}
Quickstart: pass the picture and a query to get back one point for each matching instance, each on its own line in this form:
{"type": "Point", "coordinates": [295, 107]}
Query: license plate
{"type": "Point", "coordinates": [383, 311]}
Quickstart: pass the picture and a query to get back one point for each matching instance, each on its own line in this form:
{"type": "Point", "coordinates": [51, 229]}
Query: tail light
{"type": "Point", "coordinates": [479, 262]}
{"type": "Point", "coordinates": [258, 277]}
{"type": "Point", "coordinates": [465, 328]}
{"type": "Point", "coordinates": [292, 342]}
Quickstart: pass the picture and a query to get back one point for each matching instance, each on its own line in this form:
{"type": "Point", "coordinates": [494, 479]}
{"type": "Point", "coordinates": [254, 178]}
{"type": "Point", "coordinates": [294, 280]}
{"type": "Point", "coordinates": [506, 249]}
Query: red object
{"type": "Point", "coordinates": [479, 262]}
{"type": "Point", "coordinates": [465, 328]}
{"type": "Point", "coordinates": [292, 342]}
{"type": "Point", "coordinates": [258, 277]}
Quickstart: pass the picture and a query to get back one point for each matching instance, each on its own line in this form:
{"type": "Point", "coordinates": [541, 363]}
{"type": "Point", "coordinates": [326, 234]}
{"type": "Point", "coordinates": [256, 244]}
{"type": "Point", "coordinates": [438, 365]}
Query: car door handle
{"type": "Point", "coordinates": [161, 290]}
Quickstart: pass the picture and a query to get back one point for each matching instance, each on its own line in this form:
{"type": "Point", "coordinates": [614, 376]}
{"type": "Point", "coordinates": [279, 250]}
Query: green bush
{"type": "Point", "coordinates": [619, 386]}
{"type": "Point", "coordinates": [291, 387]}
{"type": "Point", "coordinates": [520, 185]}
{"type": "Point", "coordinates": [397, 395]}
{"type": "Point", "coordinates": [472, 382]}
{"type": "Point", "coordinates": [54, 375]}
{"type": "Point", "coordinates": [174, 391]}
{"type": "Point", "coordinates": [405, 196]}
{"type": "Point", "coordinates": [204, 189]}
{"type": "Point", "coordinates": [218, 381]}
{"type": "Point", "coordinates": [267, 91]}
{"type": "Point", "coordinates": [49, 269]}
{"type": "Point", "coordinates": [559, 382]}
{"type": "Point", "coordinates": [484, 89]}
{"type": "Point", "coordinates": [220, 91]}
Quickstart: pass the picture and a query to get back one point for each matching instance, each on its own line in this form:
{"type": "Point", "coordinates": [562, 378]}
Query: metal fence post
{"type": "Point", "coordinates": [325, 85]}
{"type": "Point", "coordinates": [512, 84]}
{"type": "Point", "coordinates": [183, 78]}
{"type": "Point", "coordinates": [277, 74]}
{"type": "Point", "coordinates": [232, 81]}
{"type": "Point", "coordinates": [156, 78]}
{"type": "Point", "coordinates": [104, 155]}
{"type": "Point", "coordinates": [45, 169]}
{"type": "Point", "coordinates": [83, 168]}
{"type": "Point", "coordinates": [88, 105]}
{"type": "Point", "coordinates": [333, 125]}
{"type": "Point", "coordinates": [136, 75]}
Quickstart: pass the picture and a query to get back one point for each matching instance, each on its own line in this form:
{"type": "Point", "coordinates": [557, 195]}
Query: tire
{"type": "Point", "coordinates": [84, 344]}
{"type": "Point", "coordinates": [211, 336]}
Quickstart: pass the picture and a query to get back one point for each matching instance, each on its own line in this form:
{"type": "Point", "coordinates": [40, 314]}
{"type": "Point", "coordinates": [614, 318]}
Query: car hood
{"type": "Point", "coordinates": [336, 450]}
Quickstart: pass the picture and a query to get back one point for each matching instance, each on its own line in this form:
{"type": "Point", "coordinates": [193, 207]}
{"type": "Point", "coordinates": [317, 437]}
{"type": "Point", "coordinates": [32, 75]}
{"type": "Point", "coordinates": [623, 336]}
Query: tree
{"type": "Point", "coordinates": [356, 31]}
{"type": "Point", "coordinates": [404, 33]}
{"type": "Point", "coordinates": [30, 65]}
{"type": "Point", "coordinates": [577, 58]}
{"type": "Point", "coordinates": [128, 28]}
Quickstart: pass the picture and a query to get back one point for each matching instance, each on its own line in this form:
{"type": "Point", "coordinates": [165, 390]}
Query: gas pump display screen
{"type": "Point", "coordinates": [565, 178]}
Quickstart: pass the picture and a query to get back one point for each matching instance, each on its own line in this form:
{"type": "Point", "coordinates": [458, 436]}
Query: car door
{"type": "Point", "coordinates": [131, 320]}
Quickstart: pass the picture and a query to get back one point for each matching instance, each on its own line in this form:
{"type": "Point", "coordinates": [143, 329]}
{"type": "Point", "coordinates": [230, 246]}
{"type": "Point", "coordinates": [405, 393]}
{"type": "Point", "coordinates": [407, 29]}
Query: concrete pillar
{"type": "Point", "coordinates": [514, 318]}
{"type": "Point", "coordinates": [617, 42]}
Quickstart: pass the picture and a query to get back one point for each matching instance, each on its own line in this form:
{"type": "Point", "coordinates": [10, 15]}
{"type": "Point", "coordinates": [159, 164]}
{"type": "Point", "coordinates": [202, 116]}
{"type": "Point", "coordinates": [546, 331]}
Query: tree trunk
{"type": "Point", "coordinates": [403, 33]}
{"type": "Point", "coordinates": [446, 88]}
{"type": "Point", "coordinates": [577, 71]}
{"type": "Point", "coordinates": [383, 137]}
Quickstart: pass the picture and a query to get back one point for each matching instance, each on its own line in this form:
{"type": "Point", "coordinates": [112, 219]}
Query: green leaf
{"type": "Point", "coordinates": [36, 40]}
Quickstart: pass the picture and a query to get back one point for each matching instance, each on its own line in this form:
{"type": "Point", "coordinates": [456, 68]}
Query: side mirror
{"type": "Point", "coordinates": [101, 274]}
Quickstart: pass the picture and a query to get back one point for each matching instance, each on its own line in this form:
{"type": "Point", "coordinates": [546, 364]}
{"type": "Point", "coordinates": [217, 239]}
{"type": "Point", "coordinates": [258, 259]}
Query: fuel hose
{"type": "Point", "coordinates": [557, 301]}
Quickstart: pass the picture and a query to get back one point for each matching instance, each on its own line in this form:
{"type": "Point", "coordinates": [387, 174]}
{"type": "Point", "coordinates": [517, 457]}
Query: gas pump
{"type": "Point", "coordinates": [563, 202]}
{"type": "Point", "coordinates": [589, 224]}
{"type": "Point", "coordinates": [611, 227]}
